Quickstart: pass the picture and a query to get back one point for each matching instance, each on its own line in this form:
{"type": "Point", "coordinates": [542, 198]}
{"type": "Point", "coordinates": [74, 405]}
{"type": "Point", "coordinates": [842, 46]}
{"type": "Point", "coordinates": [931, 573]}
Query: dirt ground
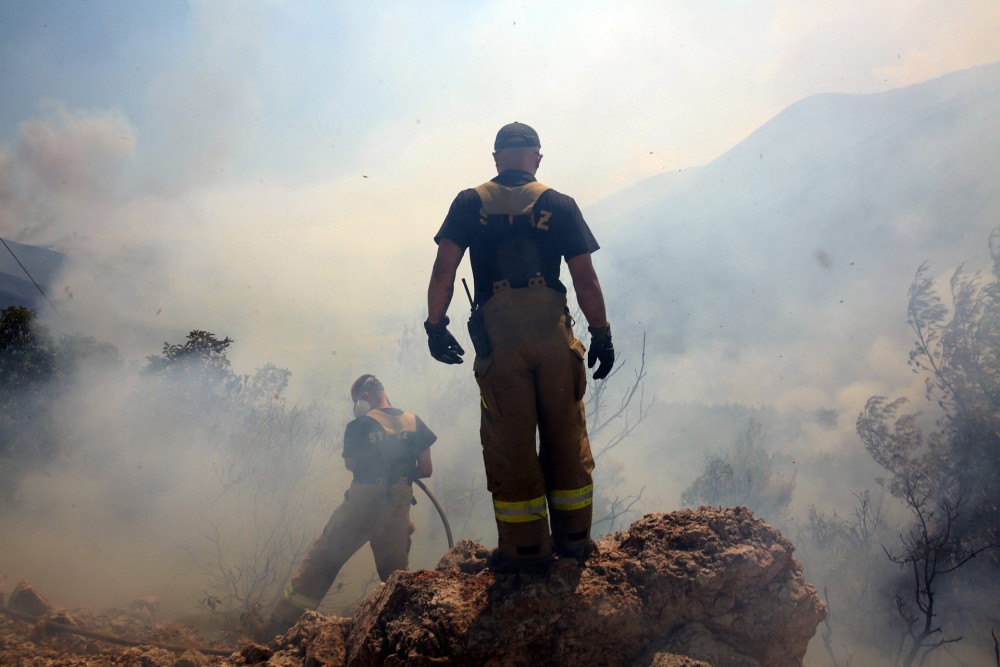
{"type": "Point", "coordinates": [37, 633]}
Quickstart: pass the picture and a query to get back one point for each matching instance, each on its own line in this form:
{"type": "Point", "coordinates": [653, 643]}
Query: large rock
{"type": "Point", "coordinates": [26, 600]}
{"type": "Point", "coordinates": [697, 587]}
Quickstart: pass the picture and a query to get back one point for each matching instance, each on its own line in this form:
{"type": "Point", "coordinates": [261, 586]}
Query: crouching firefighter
{"type": "Point", "coordinates": [386, 449]}
{"type": "Point", "coordinates": [529, 365]}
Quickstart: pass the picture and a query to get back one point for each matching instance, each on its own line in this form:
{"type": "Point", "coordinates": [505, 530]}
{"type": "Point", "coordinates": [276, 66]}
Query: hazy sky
{"type": "Point", "coordinates": [290, 149]}
{"type": "Point", "coordinates": [309, 92]}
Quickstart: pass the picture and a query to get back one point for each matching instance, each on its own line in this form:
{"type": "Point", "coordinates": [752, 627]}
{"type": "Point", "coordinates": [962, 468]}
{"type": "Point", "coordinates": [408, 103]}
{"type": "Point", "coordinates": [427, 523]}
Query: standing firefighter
{"type": "Point", "coordinates": [386, 449]}
{"type": "Point", "coordinates": [528, 364]}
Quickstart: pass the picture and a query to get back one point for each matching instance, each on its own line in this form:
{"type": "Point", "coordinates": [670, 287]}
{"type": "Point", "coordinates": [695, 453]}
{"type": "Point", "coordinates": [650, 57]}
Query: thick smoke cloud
{"type": "Point", "coordinates": [64, 165]}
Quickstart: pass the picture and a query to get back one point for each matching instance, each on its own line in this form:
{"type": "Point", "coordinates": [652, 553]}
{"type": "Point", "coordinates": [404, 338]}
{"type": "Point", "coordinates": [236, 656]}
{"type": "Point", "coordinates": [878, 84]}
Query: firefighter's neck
{"type": "Point", "coordinates": [377, 401]}
{"type": "Point", "coordinates": [525, 159]}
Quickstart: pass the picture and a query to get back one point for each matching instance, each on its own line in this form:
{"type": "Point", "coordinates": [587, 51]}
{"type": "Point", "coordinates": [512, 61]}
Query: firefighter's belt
{"type": "Point", "coordinates": [527, 281]}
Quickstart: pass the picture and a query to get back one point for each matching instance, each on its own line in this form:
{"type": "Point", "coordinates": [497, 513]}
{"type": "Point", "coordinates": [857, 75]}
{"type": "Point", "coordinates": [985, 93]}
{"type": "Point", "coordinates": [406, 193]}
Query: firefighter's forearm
{"type": "Point", "coordinates": [439, 295]}
{"type": "Point", "coordinates": [591, 300]}
{"type": "Point", "coordinates": [424, 468]}
{"type": "Point", "coordinates": [442, 285]}
{"type": "Point", "coordinates": [588, 290]}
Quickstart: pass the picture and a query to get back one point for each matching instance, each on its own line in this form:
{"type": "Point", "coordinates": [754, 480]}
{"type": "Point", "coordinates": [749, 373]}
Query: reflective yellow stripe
{"type": "Point", "coordinates": [572, 499]}
{"type": "Point", "coordinates": [299, 600]}
{"type": "Point", "coordinates": [520, 511]}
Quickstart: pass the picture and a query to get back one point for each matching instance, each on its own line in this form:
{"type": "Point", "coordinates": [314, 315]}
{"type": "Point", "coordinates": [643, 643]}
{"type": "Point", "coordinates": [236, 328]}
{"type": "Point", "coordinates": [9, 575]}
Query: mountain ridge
{"type": "Point", "coordinates": [835, 191]}
{"type": "Point", "coordinates": [19, 264]}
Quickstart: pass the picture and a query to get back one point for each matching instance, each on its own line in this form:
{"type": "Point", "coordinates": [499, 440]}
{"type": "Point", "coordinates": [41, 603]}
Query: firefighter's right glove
{"type": "Point", "coordinates": [601, 349]}
{"type": "Point", "coordinates": [442, 344]}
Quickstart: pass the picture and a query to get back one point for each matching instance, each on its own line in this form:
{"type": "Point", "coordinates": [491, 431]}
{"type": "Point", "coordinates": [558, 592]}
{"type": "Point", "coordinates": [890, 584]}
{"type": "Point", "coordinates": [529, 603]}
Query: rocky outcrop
{"type": "Point", "coordinates": [697, 587]}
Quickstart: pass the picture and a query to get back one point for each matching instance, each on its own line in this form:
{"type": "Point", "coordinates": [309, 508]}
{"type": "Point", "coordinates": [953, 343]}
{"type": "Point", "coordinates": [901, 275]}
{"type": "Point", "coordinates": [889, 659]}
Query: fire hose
{"type": "Point", "coordinates": [440, 511]}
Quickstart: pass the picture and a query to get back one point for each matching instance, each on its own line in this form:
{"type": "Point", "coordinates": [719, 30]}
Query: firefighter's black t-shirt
{"type": "Point", "coordinates": [389, 453]}
{"type": "Point", "coordinates": [515, 247]}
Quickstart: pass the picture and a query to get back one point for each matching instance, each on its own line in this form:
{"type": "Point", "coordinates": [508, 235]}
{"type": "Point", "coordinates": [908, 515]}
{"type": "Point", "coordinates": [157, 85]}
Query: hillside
{"type": "Point", "coordinates": [16, 288]}
{"type": "Point", "coordinates": [825, 212]}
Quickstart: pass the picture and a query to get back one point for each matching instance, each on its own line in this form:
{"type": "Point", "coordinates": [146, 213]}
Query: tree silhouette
{"type": "Point", "coordinates": [938, 471]}
{"type": "Point", "coordinates": [27, 352]}
{"type": "Point", "coordinates": [28, 375]}
{"type": "Point", "coordinates": [930, 551]}
{"type": "Point", "coordinates": [959, 353]}
{"type": "Point", "coordinates": [264, 455]}
{"type": "Point", "coordinates": [742, 475]}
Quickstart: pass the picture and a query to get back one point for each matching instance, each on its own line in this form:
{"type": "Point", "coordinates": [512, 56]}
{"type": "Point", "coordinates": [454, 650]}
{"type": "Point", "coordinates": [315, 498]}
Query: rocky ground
{"type": "Point", "coordinates": [35, 632]}
{"type": "Point", "coordinates": [708, 587]}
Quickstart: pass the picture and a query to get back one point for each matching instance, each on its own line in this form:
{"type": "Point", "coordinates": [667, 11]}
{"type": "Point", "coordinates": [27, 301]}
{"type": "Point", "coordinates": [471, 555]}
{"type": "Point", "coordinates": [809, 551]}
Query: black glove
{"type": "Point", "coordinates": [601, 349]}
{"type": "Point", "coordinates": [442, 344]}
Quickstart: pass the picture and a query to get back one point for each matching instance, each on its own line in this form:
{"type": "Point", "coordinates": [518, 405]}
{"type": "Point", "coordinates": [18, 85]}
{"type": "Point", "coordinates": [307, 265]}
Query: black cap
{"type": "Point", "coordinates": [516, 135]}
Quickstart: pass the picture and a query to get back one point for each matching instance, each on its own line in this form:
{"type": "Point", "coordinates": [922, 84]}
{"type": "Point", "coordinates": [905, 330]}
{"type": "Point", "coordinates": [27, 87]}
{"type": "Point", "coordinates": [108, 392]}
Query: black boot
{"type": "Point", "coordinates": [581, 551]}
{"type": "Point", "coordinates": [501, 563]}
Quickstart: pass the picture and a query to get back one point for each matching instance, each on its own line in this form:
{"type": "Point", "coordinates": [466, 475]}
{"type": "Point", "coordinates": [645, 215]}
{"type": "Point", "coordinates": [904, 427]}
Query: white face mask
{"type": "Point", "coordinates": [362, 407]}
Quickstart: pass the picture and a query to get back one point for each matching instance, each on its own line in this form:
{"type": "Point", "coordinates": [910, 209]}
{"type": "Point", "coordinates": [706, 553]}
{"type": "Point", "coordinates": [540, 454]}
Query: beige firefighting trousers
{"type": "Point", "coordinates": [534, 381]}
{"type": "Point", "coordinates": [376, 513]}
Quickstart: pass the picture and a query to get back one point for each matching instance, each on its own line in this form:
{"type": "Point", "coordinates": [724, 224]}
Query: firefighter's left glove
{"type": "Point", "coordinates": [442, 344]}
{"type": "Point", "coordinates": [601, 349]}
